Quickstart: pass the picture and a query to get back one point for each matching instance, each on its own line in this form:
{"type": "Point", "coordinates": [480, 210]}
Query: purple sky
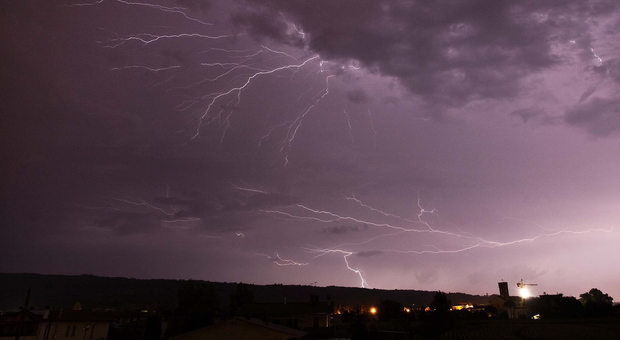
{"type": "Point", "coordinates": [432, 145]}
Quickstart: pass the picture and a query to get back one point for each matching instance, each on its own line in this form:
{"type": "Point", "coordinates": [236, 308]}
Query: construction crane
{"type": "Point", "coordinates": [524, 285]}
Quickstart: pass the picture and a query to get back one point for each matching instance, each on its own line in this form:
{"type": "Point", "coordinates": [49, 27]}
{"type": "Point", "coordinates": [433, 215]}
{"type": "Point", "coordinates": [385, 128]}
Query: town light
{"type": "Point", "coordinates": [524, 293]}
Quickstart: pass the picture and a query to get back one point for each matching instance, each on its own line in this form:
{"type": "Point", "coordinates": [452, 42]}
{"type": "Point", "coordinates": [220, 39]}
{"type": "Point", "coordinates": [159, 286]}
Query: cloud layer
{"type": "Point", "coordinates": [410, 143]}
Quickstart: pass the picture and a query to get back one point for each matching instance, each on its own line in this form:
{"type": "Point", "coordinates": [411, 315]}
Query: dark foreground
{"type": "Point", "coordinates": [586, 329]}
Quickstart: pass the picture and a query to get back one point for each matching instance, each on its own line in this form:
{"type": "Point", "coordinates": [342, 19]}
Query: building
{"type": "Point", "coordinates": [73, 325]}
{"type": "Point", "coordinates": [512, 306]}
{"type": "Point", "coordinates": [463, 306]}
{"type": "Point", "coordinates": [50, 325]}
{"type": "Point", "coordinates": [298, 315]}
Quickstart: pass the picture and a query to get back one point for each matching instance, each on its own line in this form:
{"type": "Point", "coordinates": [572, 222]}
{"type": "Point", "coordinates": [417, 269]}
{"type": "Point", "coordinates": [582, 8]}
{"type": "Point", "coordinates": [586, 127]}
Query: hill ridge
{"type": "Point", "coordinates": [101, 292]}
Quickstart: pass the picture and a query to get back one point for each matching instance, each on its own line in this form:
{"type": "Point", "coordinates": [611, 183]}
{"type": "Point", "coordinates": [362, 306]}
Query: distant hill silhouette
{"type": "Point", "coordinates": [94, 292]}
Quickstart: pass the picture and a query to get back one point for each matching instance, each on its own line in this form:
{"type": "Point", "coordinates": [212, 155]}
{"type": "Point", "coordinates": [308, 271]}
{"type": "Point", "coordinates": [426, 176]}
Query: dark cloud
{"type": "Point", "coordinates": [358, 96]}
{"type": "Point", "coordinates": [219, 210]}
{"type": "Point", "coordinates": [343, 229]}
{"type": "Point", "coordinates": [585, 95]}
{"type": "Point", "coordinates": [427, 276]}
{"type": "Point", "coordinates": [369, 253]}
{"type": "Point", "coordinates": [610, 68]}
{"type": "Point", "coordinates": [533, 114]}
{"type": "Point", "coordinates": [129, 223]}
{"type": "Point", "coordinates": [225, 222]}
{"type": "Point", "coordinates": [267, 201]}
{"type": "Point", "coordinates": [197, 5]}
{"type": "Point", "coordinates": [173, 201]}
{"type": "Point", "coordinates": [240, 203]}
{"type": "Point", "coordinates": [178, 57]}
{"type": "Point", "coordinates": [600, 117]}
{"type": "Point", "coordinates": [448, 52]}
{"type": "Point", "coordinates": [268, 25]}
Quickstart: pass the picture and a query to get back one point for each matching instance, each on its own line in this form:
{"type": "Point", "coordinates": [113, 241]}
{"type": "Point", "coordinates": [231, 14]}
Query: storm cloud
{"type": "Point", "coordinates": [448, 52]}
{"type": "Point", "coordinates": [388, 144]}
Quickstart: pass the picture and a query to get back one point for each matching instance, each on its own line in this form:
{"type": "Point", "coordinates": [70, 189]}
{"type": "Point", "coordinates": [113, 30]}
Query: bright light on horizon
{"type": "Point", "coordinates": [524, 293]}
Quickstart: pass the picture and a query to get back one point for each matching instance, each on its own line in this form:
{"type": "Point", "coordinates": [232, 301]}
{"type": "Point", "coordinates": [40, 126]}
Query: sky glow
{"type": "Point", "coordinates": [444, 145]}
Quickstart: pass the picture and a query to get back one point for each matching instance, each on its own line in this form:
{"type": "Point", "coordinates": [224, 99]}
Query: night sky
{"type": "Point", "coordinates": [430, 145]}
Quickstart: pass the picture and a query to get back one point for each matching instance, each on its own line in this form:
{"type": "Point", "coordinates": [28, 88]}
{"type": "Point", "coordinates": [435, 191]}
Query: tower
{"type": "Point", "coordinates": [503, 290]}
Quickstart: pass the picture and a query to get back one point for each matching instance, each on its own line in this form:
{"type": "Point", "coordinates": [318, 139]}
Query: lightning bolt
{"type": "Point", "coordinates": [374, 132]}
{"type": "Point", "coordinates": [177, 10]}
{"type": "Point", "coordinates": [345, 256]}
{"type": "Point", "coordinates": [239, 68]}
{"type": "Point", "coordinates": [600, 60]}
{"type": "Point", "coordinates": [145, 68]}
{"type": "Point", "coordinates": [354, 199]}
{"type": "Point", "coordinates": [278, 260]}
{"type": "Point", "coordinates": [597, 57]}
{"type": "Point", "coordinates": [249, 189]}
{"type": "Point", "coordinates": [278, 52]}
{"type": "Point", "coordinates": [147, 38]}
{"type": "Point", "coordinates": [143, 203]}
{"type": "Point", "coordinates": [238, 89]}
{"type": "Point", "coordinates": [294, 127]}
{"type": "Point", "coordinates": [348, 122]}
{"type": "Point", "coordinates": [323, 216]}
